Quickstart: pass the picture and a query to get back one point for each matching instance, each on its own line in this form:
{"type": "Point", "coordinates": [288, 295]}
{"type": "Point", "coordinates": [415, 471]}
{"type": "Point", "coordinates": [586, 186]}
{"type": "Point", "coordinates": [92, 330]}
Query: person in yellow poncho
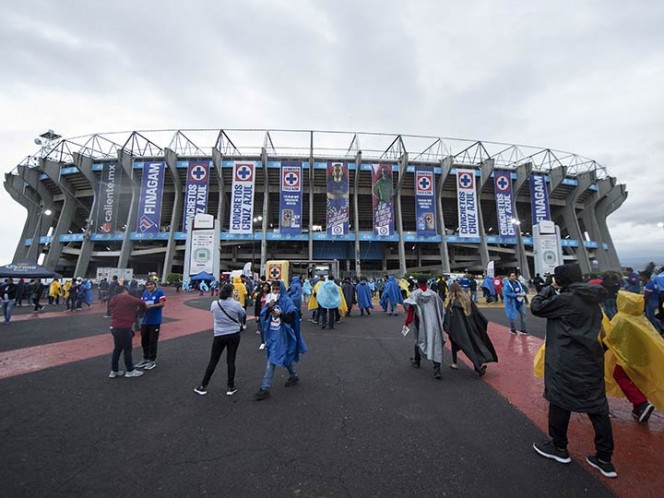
{"type": "Point", "coordinates": [314, 307]}
{"type": "Point", "coordinates": [54, 292]}
{"type": "Point", "coordinates": [240, 294]}
{"type": "Point", "coordinates": [404, 286]}
{"type": "Point", "coordinates": [637, 350]}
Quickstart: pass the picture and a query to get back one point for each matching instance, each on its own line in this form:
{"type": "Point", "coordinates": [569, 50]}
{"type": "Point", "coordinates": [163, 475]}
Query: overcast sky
{"type": "Point", "coordinates": [585, 77]}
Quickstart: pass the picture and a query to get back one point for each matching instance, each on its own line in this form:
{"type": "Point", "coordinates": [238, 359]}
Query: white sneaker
{"type": "Point", "coordinates": [134, 373]}
{"type": "Point", "coordinates": [262, 346]}
{"type": "Point", "coordinates": [150, 365]}
{"type": "Point", "coordinates": [114, 374]}
{"type": "Point", "coordinates": [141, 363]}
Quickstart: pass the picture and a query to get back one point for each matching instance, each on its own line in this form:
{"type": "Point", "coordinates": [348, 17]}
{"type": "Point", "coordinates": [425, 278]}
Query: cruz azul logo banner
{"type": "Point", "coordinates": [337, 198]}
{"type": "Point", "coordinates": [290, 202]}
{"type": "Point", "coordinates": [196, 193]}
{"type": "Point", "coordinates": [383, 191]}
{"type": "Point", "coordinates": [502, 182]}
{"type": "Point", "coordinates": [242, 199]}
{"type": "Point", "coordinates": [108, 196]}
{"type": "Point", "coordinates": [425, 205]}
{"type": "Point", "coordinates": [149, 207]}
{"type": "Point", "coordinates": [467, 203]}
{"type": "Point", "coordinates": [539, 199]}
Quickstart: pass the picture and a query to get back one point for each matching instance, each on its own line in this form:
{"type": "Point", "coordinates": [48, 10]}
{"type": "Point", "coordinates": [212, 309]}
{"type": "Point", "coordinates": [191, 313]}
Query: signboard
{"type": "Point", "coordinates": [202, 245]}
{"type": "Point", "coordinates": [425, 205]}
{"type": "Point", "coordinates": [152, 186]}
{"type": "Point", "coordinates": [383, 193]}
{"type": "Point", "coordinates": [547, 249]}
{"type": "Point", "coordinates": [242, 198]}
{"type": "Point", "coordinates": [290, 201]}
{"type": "Point", "coordinates": [502, 182]}
{"type": "Point", "coordinates": [196, 192]}
{"type": "Point", "coordinates": [467, 203]}
{"type": "Point", "coordinates": [539, 199]}
{"type": "Point", "coordinates": [108, 196]}
{"type": "Point", "coordinates": [337, 188]}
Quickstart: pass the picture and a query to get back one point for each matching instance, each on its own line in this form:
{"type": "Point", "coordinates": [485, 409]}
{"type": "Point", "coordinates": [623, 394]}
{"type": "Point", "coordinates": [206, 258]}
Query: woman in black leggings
{"type": "Point", "coordinates": [229, 315]}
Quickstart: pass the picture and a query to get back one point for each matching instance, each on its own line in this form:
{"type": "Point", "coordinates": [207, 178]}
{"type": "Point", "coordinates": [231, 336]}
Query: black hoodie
{"type": "Point", "coordinates": [574, 364]}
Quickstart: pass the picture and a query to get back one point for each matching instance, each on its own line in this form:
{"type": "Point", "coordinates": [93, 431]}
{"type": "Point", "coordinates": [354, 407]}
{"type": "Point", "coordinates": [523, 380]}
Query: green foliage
{"type": "Point", "coordinates": [171, 278]}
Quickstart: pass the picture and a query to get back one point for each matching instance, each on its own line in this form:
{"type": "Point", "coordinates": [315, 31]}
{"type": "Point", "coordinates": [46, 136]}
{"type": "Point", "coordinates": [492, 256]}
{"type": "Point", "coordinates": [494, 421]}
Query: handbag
{"type": "Point", "coordinates": [230, 317]}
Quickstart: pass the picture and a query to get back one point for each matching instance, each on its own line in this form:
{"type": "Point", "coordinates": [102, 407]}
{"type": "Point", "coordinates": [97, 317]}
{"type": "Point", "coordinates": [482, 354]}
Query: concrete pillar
{"type": "Point", "coordinates": [356, 214]}
{"type": "Point", "coordinates": [176, 216]}
{"type": "Point", "coordinates": [445, 168]}
{"type": "Point", "coordinates": [266, 207]}
{"type": "Point", "coordinates": [31, 178]}
{"type": "Point", "coordinates": [64, 222]}
{"type": "Point", "coordinates": [607, 205]}
{"type": "Point", "coordinates": [126, 162]}
{"type": "Point", "coordinates": [84, 165]}
{"type": "Point", "coordinates": [591, 223]}
{"type": "Point", "coordinates": [311, 196]}
{"type": "Point", "coordinates": [572, 222]}
{"type": "Point", "coordinates": [487, 170]}
{"type": "Point", "coordinates": [403, 165]}
{"type": "Point", "coordinates": [14, 185]}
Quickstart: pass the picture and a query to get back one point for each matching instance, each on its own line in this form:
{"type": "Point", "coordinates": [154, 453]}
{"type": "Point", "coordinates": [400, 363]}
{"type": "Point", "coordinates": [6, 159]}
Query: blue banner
{"type": "Point", "coordinates": [502, 181]}
{"type": "Point", "coordinates": [108, 197]}
{"type": "Point", "coordinates": [337, 188]}
{"type": "Point", "coordinates": [149, 206]}
{"type": "Point", "coordinates": [425, 200]}
{"type": "Point", "coordinates": [196, 192]}
{"type": "Point", "coordinates": [383, 194]}
{"type": "Point", "coordinates": [539, 199]}
{"type": "Point", "coordinates": [290, 202]}
{"type": "Point", "coordinates": [242, 198]}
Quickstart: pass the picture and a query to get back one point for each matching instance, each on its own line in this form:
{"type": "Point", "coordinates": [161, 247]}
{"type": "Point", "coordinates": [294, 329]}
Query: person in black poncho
{"type": "Point", "coordinates": [466, 327]}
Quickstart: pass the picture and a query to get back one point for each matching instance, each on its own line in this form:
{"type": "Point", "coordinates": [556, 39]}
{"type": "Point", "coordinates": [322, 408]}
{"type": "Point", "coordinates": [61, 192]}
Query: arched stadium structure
{"type": "Point", "coordinates": [93, 188]}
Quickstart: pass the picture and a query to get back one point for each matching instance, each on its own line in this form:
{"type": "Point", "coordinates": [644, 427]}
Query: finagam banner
{"type": "Point", "coordinates": [196, 193]}
{"type": "Point", "coordinates": [337, 199]}
{"type": "Point", "coordinates": [539, 199]}
{"type": "Point", "coordinates": [149, 206]}
{"type": "Point", "coordinates": [467, 203]}
{"type": "Point", "coordinates": [290, 202]}
{"type": "Point", "coordinates": [502, 182]}
{"type": "Point", "coordinates": [383, 193]}
{"type": "Point", "coordinates": [425, 205]}
{"type": "Point", "coordinates": [108, 196]}
{"type": "Point", "coordinates": [242, 198]}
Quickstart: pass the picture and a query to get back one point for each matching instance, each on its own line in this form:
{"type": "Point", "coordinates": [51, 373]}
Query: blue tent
{"type": "Point", "coordinates": [202, 276]}
{"type": "Point", "coordinates": [27, 269]}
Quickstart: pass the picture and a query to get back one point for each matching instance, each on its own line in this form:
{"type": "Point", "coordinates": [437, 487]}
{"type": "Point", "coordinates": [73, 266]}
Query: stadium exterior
{"type": "Point", "coordinates": [84, 197]}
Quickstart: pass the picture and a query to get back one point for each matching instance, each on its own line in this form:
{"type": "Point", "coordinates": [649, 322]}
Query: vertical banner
{"type": "Point", "coordinates": [196, 192]}
{"type": "Point", "coordinates": [467, 203]}
{"type": "Point", "coordinates": [425, 205]}
{"type": "Point", "coordinates": [290, 201]}
{"type": "Point", "coordinates": [337, 198]}
{"type": "Point", "coordinates": [502, 182]}
{"type": "Point", "coordinates": [539, 199]}
{"type": "Point", "coordinates": [242, 198]}
{"type": "Point", "coordinates": [383, 192]}
{"type": "Point", "coordinates": [108, 196]}
{"type": "Point", "coordinates": [149, 207]}
{"type": "Point", "coordinates": [202, 249]}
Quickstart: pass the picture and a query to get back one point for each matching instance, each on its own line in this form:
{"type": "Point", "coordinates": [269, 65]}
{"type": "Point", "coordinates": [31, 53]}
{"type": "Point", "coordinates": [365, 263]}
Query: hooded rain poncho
{"type": "Point", "coordinates": [430, 314]}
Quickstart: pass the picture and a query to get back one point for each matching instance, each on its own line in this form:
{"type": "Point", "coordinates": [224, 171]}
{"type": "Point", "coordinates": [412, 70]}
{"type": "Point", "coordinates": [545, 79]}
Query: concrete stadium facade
{"type": "Point", "coordinates": [59, 188]}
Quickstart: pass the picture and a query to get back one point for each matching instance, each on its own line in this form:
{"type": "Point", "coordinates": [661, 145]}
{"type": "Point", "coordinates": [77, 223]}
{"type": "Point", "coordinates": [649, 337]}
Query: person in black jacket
{"type": "Point", "coordinates": [574, 364]}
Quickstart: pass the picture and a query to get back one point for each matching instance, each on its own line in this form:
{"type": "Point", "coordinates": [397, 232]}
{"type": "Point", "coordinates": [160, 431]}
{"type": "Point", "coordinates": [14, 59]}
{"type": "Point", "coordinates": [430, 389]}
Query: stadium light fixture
{"type": "Point", "coordinates": [515, 221]}
{"type": "Point", "coordinates": [48, 212]}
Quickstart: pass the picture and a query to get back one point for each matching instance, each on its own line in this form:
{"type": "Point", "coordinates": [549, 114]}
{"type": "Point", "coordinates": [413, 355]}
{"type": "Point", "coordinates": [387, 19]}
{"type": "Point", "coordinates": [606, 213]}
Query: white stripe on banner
{"type": "Point", "coordinates": [242, 199]}
{"type": "Point", "coordinates": [467, 203]}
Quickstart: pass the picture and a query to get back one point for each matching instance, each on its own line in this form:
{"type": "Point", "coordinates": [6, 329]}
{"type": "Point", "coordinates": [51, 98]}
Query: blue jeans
{"type": "Point", "coordinates": [122, 341]}
{"type": "Point", "coordinates": [651, 311]}
{"type": "Point", "coordinates": [7, 307]}
{"type": "Point", "coordinates": [610, 308]}
{"type": "Point", "coordinates": [522, 316]}
{"type": "Point", "coordinates": [269, 374]}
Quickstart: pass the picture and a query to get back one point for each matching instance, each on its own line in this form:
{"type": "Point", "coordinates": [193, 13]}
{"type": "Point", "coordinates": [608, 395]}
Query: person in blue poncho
{"type": "Point", "coordinates": [283, 341]}
{"type": "Point", "coordinates": [295, 293]}
{"type": "Point", "coordinates": [328, 296]}
{"type": "Point", "coordinates": [488, 289]}
{"type": "Point", "coordinates": [391, 296]}
{"type": "Point", "coordinates": [307, 290]}
{"type": "Point", "coordinates": [364, 297]}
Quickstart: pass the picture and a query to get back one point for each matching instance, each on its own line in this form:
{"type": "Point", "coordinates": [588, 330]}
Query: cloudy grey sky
{"type": "Point", "coordinates": [581, 76]}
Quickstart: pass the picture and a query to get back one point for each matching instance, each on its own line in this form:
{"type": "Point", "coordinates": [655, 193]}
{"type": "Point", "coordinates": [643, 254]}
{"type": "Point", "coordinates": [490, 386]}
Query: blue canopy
{"type": "Point", "coordinates": [27, 269]}
{"type": "Point", "coordinates": [202, 276]}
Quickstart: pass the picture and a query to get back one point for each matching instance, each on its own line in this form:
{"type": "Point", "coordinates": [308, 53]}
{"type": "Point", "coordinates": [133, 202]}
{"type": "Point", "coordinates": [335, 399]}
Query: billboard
{"type": "Point", "coordinates": [149, 207]}
{"type": "Point", "coordinates": [290, 199]}
{"type": "Point", "coordinates": [337, 188]}
{"type": "Point", "coordinates": [539, 199]}
{"type": "Point", "coordinates": [382, 189]}
{"type": "Point", "coordinates": [108, 197]}
{"type": "Point", "coordinates": [196, 192]}
{"type": "Point", "coordinates": [425, 205]}
{"type": "Point", "coordinates": [242, 197]}
{"type": "Point", "coordinates": [467, 203]}
{"type": "Point", "coordinates": [502, 182]}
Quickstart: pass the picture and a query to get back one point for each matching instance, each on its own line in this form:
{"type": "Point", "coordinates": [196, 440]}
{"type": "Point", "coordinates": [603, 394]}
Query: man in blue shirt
{"type": "Point", "coordinates": [155, 300]}
{"type": "Point", "coordinates": [633, 282]}
{"type": "Point", "coordinates": [651, 296]}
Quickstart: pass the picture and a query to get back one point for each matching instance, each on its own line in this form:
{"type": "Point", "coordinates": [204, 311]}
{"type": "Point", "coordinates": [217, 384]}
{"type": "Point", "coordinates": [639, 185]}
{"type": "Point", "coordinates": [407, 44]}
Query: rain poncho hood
{"type": "Point", "coordinates": [240, 289]}
{"type": "Point", "coordinates": [364, 295]}
{"type": "Point", "coordinates": [391, 292]}
{"type": "Point", "coordinates": [295, 291]}
{"type": "Point", "coordinates": [329, 295]}
{"type": "Point", "coordinates": [488, 285]}
{"type": "Point", "coordinates": [283, 341]}
{"type": "Point", "coordinates": [307, 288]}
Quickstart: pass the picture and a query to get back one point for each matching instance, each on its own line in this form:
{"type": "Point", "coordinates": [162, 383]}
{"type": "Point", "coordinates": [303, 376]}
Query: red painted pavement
{"type": "Point", "coordinates": [638, 447]}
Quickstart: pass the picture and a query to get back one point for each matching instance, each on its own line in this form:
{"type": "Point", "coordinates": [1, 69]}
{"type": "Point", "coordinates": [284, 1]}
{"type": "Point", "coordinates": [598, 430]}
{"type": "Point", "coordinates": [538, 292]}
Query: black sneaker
{"type": "Point", "coordinates": [643, 412]}
{"type": "Point", "coordinates": [261, 395]}
{"type": "Point", "coordinates": [231, 390]}
{"type": "Point", "coordinates": [513, 332]}
{"type": "Point", "coordinates": [415, 363]}
{"type": "Point", "coordinates": [436, 373]}
{"type": "Point", "coordinates": [202, 390]}
{"type": "Point", "coordinates": [482, 371]}
{"type": "Point", "coordinates": [292, 381]}
{"type": "Point", "coordinates": [548, 450]}
{"type": "Point", "coordinates": [606, 468]}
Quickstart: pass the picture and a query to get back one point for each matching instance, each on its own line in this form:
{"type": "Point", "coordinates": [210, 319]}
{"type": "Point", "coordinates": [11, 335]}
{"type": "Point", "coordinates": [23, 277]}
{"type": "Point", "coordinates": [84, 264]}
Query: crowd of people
{"type": "Point", "coordinates": [599, 329]}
